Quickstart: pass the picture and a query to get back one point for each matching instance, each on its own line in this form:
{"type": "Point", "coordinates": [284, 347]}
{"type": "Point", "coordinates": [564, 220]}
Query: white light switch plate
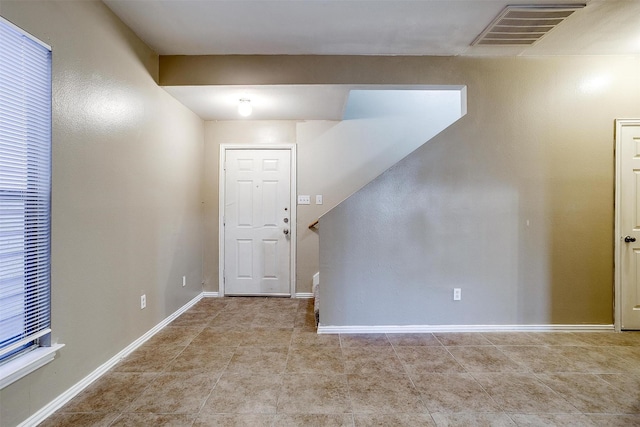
{"type": "Point", "coordinates": [304, 200]}
{"type": "Point", "coordinates": [318, 199]}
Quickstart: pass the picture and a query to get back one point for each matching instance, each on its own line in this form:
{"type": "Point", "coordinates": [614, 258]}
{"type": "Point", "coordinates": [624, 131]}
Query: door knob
{"type": "Point", "coordinates": [629, 239]}
{"type": "Point", "coordinates": [286, 231]}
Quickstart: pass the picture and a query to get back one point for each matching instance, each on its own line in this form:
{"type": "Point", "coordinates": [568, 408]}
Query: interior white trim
{"type": "Point", "coordinates": [72, 392]}
{"type": "Point", "coordinates": [403, 329]}
{"type": "Point", "coordinates": [26, 34]}
{"type": "Point", "coordinates": [210, 295]}
{"type": "Point", "coordinates": [13, 370]}
{"type": "Point", "coordinates": [23, 342]}
{"type": "Point", "coordinates": [304, 295]}
{"type": "Point", "coordinates": [293, 205]}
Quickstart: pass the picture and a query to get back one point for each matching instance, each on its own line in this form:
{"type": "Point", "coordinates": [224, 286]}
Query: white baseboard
{"type": "Point", "coordinates": [297, 295]}
{"type": "Point", "coordinates": [403, 329]}
{"type": "Point", "coordinates": [304, 295]}
{"type": "Point", "coordinates": [65, 397]}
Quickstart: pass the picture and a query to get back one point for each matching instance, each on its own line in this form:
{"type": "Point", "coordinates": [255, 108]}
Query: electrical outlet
{"type": "Point", "coordinates": [457, 294]}
{"type": "Point", "coordinates": [143, 301]}
{"type": "Point", "coordinates": [184, 281]}
{"type": "Point", "coordinates": [304, 200]}
{"type": "Point", "coordinates": [318, 199]}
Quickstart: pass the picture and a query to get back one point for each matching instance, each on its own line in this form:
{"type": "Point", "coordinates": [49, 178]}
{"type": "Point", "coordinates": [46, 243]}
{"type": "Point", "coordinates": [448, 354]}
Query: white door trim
{"type": "Point", "coordinates": [221, 198]}
{"type": "Point", "coordinates": [617, 291]}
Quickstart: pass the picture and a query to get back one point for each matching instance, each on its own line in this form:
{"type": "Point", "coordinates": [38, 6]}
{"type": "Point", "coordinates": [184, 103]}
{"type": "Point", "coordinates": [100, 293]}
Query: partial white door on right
{"type": "Point", "coordinates": [628, 219]}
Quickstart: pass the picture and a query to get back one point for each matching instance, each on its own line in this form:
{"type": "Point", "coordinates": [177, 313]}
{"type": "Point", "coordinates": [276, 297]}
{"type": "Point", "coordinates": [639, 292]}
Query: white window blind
{"type": "Point", "coordinates": [25, 190]}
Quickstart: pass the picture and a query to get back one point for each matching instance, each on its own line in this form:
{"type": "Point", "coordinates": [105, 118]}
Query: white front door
{"type": "Point", "coordinates": [257, 222]}
{"type": "Point", "coordinates": [628, 221]}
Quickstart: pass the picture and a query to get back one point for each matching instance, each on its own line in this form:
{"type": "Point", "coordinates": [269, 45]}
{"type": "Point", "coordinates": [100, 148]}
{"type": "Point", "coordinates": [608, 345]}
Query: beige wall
{"type": "Point", "coordinates": [513, 204]}
{"type": "Point", "coordinates": [535, 151]}
{"type": "Point", "coordinates": [530, 120]}
{"type": "Point", "coordinates": [230, 132]}
{"type": "Point", "coordinates": [535, 148]}
{"type": "Point", "coordinates": [334, 159]}
{"type": "Point", "coordinates": [127, 174]}
{"type": "Point", "coordinates": [309, 134]}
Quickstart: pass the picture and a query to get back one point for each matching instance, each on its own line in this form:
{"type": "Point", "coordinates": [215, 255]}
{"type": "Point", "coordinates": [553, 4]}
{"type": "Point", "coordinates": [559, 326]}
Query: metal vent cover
{"type": "Point", "coordinates": [524, 25]}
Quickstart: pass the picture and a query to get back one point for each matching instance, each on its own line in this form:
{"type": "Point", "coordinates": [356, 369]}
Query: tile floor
{"type": "Point", "coordinates": [259, 362]}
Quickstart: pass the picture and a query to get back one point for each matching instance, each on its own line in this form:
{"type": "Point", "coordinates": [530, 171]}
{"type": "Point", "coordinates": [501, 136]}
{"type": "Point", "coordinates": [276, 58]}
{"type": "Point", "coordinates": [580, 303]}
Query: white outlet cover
{"type": "Point", "coordinates": [304, 200]}
{"type": "Point", "coordinates": [319, 199]}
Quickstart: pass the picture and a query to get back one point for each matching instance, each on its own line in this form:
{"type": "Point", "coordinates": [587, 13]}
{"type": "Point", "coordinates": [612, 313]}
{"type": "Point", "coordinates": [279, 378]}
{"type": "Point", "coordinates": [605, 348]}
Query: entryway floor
{"type": "Point", "coordinates": [259, 362]}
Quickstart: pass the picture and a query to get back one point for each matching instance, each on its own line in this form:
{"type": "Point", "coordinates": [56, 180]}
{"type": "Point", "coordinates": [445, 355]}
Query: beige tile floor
{"type": "Point", "coordinates": [259, 362]}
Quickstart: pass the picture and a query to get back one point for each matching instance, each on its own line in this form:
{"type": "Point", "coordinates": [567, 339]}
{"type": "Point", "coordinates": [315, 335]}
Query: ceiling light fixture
{"type": "Point", "coordinates": [244, 107]}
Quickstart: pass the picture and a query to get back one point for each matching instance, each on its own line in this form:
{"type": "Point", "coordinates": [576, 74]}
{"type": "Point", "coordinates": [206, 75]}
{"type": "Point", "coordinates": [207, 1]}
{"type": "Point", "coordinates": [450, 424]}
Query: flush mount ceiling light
{"type": "Point", "coordinates": [244, 107]}
{"type": "Point", "coordinates": [525, 25]}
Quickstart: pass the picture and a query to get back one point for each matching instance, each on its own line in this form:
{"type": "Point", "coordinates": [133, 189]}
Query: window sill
{"type": "Point", "coordinates": [12, 371]}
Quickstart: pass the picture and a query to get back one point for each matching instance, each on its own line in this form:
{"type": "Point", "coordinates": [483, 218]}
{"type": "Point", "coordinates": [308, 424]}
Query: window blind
{"type": "Point", "coordinates": [25, 190]}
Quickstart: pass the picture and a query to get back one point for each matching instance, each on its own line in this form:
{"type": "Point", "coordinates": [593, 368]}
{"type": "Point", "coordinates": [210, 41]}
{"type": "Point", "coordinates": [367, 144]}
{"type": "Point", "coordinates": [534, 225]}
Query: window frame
{"type": "Point", "coordinates": [34, 349]}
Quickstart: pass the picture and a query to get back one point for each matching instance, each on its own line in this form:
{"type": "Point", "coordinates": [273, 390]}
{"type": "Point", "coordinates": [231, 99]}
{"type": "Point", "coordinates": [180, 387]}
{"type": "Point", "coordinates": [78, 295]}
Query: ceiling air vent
{"type": "Point", "coordinates": [524, 25]}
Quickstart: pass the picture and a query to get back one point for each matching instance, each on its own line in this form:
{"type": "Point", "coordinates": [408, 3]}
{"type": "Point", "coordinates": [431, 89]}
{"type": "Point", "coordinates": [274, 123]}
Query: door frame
{"type": "Point", "coordinates": [617, 237]}
{"type": "Point", "coordinates": [292, 207]}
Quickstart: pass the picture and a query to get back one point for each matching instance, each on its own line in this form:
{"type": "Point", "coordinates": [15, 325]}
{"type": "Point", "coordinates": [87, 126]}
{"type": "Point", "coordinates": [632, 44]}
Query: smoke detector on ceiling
{"type": "Point", "coordinates": [524, 25]}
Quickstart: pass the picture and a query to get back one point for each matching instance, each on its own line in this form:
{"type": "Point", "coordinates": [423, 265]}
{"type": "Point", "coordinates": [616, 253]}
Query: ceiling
{"type": "Point", "coordinates": [365, 27]}
{"type": "Point", "coordinates": [291, 102]}
{"type": "Point", "coordinates": [277, 102]}
{"type": "Point", "coordinates": [353, 27]}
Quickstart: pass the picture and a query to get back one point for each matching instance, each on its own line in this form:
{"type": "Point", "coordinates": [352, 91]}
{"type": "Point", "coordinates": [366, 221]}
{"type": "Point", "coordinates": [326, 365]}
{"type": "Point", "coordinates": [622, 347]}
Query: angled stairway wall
{"type": "Point", "coordinates": [382, 125]}
{"type": "Point", "coordinates": [513, 204]}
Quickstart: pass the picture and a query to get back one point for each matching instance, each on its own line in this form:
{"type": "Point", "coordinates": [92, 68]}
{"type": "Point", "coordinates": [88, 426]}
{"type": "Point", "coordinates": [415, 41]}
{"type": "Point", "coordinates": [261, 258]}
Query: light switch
{"type": "Point", "coordinates": [304, 200]}
{"type": "Point", "coordinates": [318, 199]}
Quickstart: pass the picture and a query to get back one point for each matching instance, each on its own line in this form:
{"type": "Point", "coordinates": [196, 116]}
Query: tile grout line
{"type": "Point", "coordinates": [536, 375]}
{"type": "Point", "coordinates": [476, 379]}
{"type": "Point", "coordinates": [404, 366]}
{"type": "Point", "coordinates": [509, 415]}
{"type": "Point", "coordinates": [596, 364]}
{"type": "Point", "coordinates": [346, 378]}
{"type": "Point", "coordinates": [204, 402]}
{"type": "Point", "coordinates": [282, 375]}
{"type": "Point", "coordinates": [123, 410]}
